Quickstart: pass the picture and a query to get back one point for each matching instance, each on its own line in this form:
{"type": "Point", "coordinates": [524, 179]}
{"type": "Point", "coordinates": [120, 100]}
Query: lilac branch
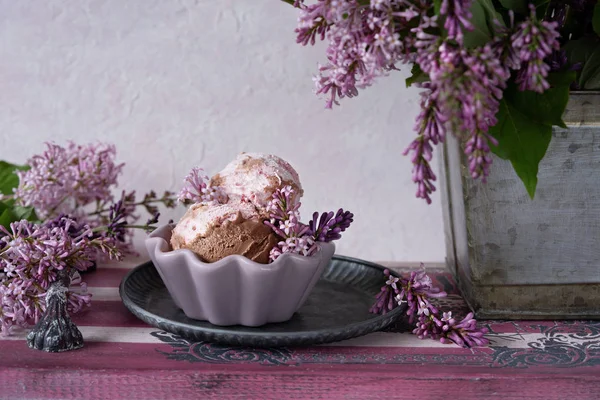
{"type": "Point", "coordinates": [297, 237]}
{"type": "Point", "coordinates": [533, 42]}
{"type": "Point", "coordinates": [416, 291]}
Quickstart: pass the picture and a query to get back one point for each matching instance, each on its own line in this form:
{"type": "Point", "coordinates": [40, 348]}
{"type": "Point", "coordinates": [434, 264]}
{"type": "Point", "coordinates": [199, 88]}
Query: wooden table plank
{"type": "Point", "coordinates": [126, 359]}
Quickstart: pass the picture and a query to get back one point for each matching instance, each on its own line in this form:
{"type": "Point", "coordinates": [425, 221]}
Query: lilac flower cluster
{"type": "Point", "coordinates": [534, 41]}
{"type": "Point", "coordinates": [62, 179]}
{"type": "Point", "coordinates": [458, 17]}
{"type": "Point", "coordinates": [447, 330]}
{"type": "Point", "coordinates": [364, 41]}
{"type": "Point", "coordinates": [416, 291]}
{"type": "Point", "coordinates": [285, 222]}
{"type": "Point", "coordinates": [297, 237]}
{"type": "Point", "coordinates": [464, 85]}
{"type": "Point", "coordinates": [196, 189]}
{"type": "Point", "coordinates": [74, 178]}
{"type": "Point", "coordinates": [31, 256]}
{"type": "Point", "coordinates": [330, 226]}
{"type": "Point", "coordinates": [70, 189]}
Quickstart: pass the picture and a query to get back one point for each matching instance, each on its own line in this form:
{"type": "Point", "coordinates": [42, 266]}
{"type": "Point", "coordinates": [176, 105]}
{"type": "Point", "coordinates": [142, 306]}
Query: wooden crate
{"type": "Point", "coordinates": [518, 258]}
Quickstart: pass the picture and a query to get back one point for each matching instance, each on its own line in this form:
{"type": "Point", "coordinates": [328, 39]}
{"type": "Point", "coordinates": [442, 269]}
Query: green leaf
{"type": "Point", "coordinates": [596, 18]}
{"type": "Point", "coordinates": [546, 108]}
{"type": "Point", "coordinates": [522, 141]}
{"type": "Point", "coordinates": [484, 18]}
{"type": "Point", "coordinates": [4, 205]}
{"type": "Point", "coordinates": [8, 179]}
{"type": "Point", "coordinates": [9, 212]}
{"type": "Point", "coordinates": [593, 82]}
{"type": "Point", "coordinates": [590, 74]}
{"type": "Point", "coordinates": [541, 6]}
{"type": "Point", "coordinates": [524, 127]}
{"type": "Point", "coordinates": [480, 34]}
{"type": "Point", "coordinates": [518, 6]}
{"type": "Point", "coordinates": [437, 6]}
{"type": "Point", "coordinates": [492, 16]}
{"type": "Point", "coordinates": [7, 216]}
{"type": "Point", "coordinates": [580, 50]}
{"type": "Point", "coordinates": [561, 78]}
{"type": "Point", "coordinates": [27, 213]}
{"type": "Point", "coordinates": [417, 76]}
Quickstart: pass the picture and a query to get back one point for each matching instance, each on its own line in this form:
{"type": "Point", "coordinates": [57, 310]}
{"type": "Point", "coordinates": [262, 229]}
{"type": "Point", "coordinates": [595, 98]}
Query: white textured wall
{"type": "Point", "coordinates": [181, 83]}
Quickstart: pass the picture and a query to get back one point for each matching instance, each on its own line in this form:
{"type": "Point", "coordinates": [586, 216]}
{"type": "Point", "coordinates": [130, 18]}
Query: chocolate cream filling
{"type": "Point", "coordinates": [249, 238]}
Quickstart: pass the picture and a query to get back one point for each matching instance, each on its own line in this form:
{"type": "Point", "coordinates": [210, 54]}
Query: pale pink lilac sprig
{"type": "Point", "coordinates": [79, 180]}
{"type": "Point", "coordinates": [367, 40]}
{"type": "Point", "coordinates": [364, 41]}
{"type": "Point", "coordinates": [297, 237]}
{"type": "Point", "coordinates": [197, 189]}
{"type": "Point", "coordinates": [285, 222]}
{"type": "Point", "coordinates": [416, 290]}
{"type": "Point", "coordinates": [534, 41]}
{"type": "Point", "coordinates": [62, 179]}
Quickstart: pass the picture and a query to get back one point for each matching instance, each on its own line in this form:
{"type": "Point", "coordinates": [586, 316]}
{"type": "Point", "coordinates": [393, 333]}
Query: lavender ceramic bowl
{"type": "Point", "coordinates": [236, 290]}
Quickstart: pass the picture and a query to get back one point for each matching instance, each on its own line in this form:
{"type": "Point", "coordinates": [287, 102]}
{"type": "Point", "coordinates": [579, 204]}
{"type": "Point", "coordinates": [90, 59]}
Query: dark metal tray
{"type": "Point", "coordinates": [337, 309]}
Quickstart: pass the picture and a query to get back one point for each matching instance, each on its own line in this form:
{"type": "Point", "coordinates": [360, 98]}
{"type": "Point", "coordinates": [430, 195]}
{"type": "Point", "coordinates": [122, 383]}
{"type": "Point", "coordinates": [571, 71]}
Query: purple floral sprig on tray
{"type": "Point", "coordinates": [299, 238]}
{"type": "Point", "coordinates": [416, 291]}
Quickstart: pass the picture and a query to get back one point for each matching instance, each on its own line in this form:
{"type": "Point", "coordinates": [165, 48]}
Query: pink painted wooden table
{"type": "Point", "coordinates": [126, 359]}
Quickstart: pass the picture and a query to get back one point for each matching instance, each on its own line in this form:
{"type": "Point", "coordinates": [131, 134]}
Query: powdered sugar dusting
{"type": "Point", "coordinates": [255, 177]}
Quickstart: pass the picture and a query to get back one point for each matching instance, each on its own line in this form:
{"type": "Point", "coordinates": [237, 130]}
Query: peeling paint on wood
{"type": "Point", "coordinates": [520, 258]}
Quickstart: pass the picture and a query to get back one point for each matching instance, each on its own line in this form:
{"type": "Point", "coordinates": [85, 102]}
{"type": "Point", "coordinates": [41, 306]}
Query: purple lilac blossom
{"type": "Point", "coordinates": [330, 226]}
{"type": "Point", "coordinates": [416, 290]}
{"type": "Point", "coordinates": [366, 41]}
{"type": "Point", "coordinates": [446, 329]}
{"type": "Point", "coordinates": [363, 42]}
{"type": "Point", "coordinates": [71, 179]}
{"type": "Point", "coordinates": [385, 299]}
{"type": "Point", "coordinates": [299, 238]}
{"type": "Point", "coordinates": [533, 41]}
{"type": "Point", "coordinates": [31, 255]}
{"type": "Point", "coordinates": [285, 222]}
{"type": "Point", "coordinates": [62, 179]}
{"type": "Point", "coordinates": [463, 95]}
{"type": "Point", "coordinates": [458, 17]}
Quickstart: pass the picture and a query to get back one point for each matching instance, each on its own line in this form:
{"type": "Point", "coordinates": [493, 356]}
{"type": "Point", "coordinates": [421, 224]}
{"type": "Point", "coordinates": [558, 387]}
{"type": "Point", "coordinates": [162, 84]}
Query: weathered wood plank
{"type": "Point", "coordinates": [279, 383]}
